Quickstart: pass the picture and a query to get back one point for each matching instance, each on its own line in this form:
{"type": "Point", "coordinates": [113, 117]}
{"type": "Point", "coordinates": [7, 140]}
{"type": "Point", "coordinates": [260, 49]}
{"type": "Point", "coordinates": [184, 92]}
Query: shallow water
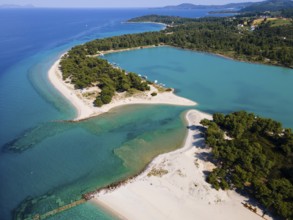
{"type": "Point", "coordinates": [41, 156]}
{"type": "Point", "coordinates": [217, 84]}
{"type": "Point", "coordinates": [51, 162]}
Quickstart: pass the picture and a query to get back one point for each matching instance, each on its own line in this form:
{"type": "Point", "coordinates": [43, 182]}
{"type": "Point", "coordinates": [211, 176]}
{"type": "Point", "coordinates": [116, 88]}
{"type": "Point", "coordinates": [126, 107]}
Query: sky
{"type": "Point", "coordinates": [116, 3]}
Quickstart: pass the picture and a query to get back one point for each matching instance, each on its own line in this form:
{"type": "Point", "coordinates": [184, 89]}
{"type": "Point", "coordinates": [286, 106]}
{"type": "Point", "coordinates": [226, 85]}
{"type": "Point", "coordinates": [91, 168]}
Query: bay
{"type": "Point", "coordinates": [216, 83]}
{"type": "Point", "coordinates": [54, 161]}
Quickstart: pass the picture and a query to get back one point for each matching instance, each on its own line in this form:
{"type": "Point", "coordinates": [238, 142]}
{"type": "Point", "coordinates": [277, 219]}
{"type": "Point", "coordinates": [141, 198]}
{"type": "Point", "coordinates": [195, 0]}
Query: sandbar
{"type": "Point", "coordinates": [82, 100]}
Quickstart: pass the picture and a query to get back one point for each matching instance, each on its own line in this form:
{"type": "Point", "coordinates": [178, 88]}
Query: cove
{"type": "Point", "coordinates": [56, 161]}
{"type": "Point", "coordinates": [217, 84]}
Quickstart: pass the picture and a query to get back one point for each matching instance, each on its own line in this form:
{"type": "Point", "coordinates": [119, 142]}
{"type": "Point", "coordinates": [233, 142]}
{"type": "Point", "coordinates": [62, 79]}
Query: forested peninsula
{"type": "Point", "coordinates": [254, 38]}
{"type": "Point", "coordinates": [84, 71]}
{"type": "Point", "coordinates": [256, 158]}
{"type": "Point", "coordinates": [258, 38]}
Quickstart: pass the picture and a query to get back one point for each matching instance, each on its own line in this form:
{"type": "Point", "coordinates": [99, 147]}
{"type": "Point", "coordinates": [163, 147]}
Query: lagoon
{"type": "Point", "coordinates": [55, 161]}
{"type": "Point", "coordinates": [217, 84]}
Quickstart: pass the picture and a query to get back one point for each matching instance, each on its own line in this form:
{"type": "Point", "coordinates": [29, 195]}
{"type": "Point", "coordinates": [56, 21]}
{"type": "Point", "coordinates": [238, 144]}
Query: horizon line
{"type": "Point", "coordinates": [108, 7]}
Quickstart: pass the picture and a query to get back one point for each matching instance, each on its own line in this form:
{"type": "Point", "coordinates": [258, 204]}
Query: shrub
{"type": "Point", "coordinates": [131, 91]}
{"type": "Point", "coordinates": [106, 99]}
{"type": "Point", "coordinates": [98, 102]}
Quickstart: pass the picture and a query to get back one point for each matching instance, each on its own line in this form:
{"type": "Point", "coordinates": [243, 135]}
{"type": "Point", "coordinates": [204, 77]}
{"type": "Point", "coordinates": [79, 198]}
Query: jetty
{"type": "Point", "coordinates": [58, 210]}
{"type": "Point", "coordinates": [85, 197]}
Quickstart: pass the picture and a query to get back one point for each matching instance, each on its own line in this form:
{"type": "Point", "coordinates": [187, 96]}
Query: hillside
{"type": "Point", "coordinates": [188, 6]}
{"type": "Point", "coordinates": [262, 6]}
{"type": "Point", "coordinates": [270, 5]}
{"type": "Point", "coordinates": [268, 41]}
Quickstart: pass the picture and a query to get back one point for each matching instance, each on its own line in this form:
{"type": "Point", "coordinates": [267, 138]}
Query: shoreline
{"type": "Point", "coordinates": [82, 101]}
{"type": "Point", "coordinates": [180, 172]}
{"type": "Point", "coordinates": [217, 53]}
{"type": "Point", "coordinates": [228, 57]}
{"type": "Point", "coordinates": [101, 53]}
{"type": "Point", "coordinates": [173, 186]}
{"type": "Point", "coordinates": [149, 22]}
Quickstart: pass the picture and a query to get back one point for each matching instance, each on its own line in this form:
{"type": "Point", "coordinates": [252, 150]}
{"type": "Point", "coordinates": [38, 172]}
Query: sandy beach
{"type": "Point", "coordinates": [151, 22]}
{"type": "Point", "coordinates": [174, 187]}
{"type": "Point", "coordinates": [82, 100]}
{"type": "Point", "coordinates": [126, 49]}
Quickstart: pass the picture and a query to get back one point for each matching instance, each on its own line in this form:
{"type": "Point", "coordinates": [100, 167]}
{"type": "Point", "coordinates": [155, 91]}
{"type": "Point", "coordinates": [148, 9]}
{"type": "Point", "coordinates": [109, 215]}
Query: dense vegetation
{"type": "Point", "coordinates": [248, 38]}
{"type": "Point", "coordinates": [270, 5]}
{"type": "Point", "coordinates": [84, 71]}
{"type": "Point", "coordinates": [258, 159]}
{"type": "Point", "coordinates": [288, 13]}
{"type": "Point", "coordinates": [232, 37]}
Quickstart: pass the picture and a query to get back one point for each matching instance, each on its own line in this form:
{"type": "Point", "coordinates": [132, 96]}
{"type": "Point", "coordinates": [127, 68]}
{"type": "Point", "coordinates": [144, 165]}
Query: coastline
{"type": "Point", "coordinates": [150, 22]}
{"type": "Point", "coordinates": [217, 53]}
{"type": "Point", "coordinates": [126, 49]}
{"type": "Point", "coordinates": [175, 179]}
{"type": "Point", "coordinates": [83, 102]}
{"type": "Point", "coordinates": [173, 186]}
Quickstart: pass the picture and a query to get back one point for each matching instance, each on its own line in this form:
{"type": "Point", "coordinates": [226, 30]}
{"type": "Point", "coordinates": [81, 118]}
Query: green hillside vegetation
{"type": "Point", "coordinates": [288, 13]}
{"type": "Point", "coordinates": [188, 6]}
{"type": "Point", "coordinates": [280, 22]}
{"type": "Point", "coordinates": [270, 5]}
{"type": "Point", "coordinates": [258, 159]}
{"type": "Point", "coordinates": [270, 41]}
{"type": "Point", "coordinates": [84, 71]}
{"type": "Point", "coordinates": [231, 37]}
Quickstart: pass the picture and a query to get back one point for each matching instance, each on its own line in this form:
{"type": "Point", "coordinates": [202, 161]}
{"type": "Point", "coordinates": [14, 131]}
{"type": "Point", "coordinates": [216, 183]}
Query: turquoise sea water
{"type": "Point", "coordinates": [46, 162]}
{"type": "Point", "coordinates": [51, 154]}
{"type": "Point", "coordinates": [217, 84]}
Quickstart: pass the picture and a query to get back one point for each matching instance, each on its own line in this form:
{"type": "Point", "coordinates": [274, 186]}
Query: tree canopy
{"type": "Point", "coordinates": [84, 71]}
{"type": "Point", "coordinates": [270, 42]}
{"type": "Point", "coordinates": [258, 159]}
{"type": "Point", "coordinates": [237, 37]}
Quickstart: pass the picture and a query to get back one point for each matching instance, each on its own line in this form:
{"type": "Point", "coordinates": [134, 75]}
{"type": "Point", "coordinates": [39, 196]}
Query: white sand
{"type": "Point", "coordinates": [126, 49]}
{"type": "Point", "coordinates": [182, 193]}
{"type": "Point", "coordinates": [84, 104]}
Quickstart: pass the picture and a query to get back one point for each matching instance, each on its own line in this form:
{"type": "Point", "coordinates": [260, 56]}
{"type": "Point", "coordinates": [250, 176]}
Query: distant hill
{"type": "Point", "coordinates": [270, 5]}
{"type": "Point", "coordinates": [187, 6]}
{"type": "Point", "coordinates": [16, 6]}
